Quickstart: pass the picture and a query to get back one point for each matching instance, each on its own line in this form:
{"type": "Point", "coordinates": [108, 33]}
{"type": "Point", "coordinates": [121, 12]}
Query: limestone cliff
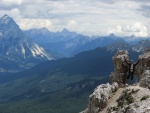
{"type": "Point", "coordinates": [121, 98]}
{"type": "Point", "coordinates": [120, 67]}
{"type": "Point", "coordinates": [143, 69]}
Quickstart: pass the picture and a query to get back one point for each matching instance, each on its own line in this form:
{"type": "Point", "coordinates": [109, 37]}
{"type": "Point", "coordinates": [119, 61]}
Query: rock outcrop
{"type": "Point", "coordinates": [114, 98]}
{"type": "Point", "coordinates": [98, 100]}
{"type": "Point", "coordinates": [143, 69]}
{"type": "Point", "coordinates": [120, 67]}
{"type": "Point", "coordinates": [133, 99]}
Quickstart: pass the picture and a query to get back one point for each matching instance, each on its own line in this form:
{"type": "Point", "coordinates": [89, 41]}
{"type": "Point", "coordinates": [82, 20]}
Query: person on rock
{"type": "Point", "coordinates": [131, 66]}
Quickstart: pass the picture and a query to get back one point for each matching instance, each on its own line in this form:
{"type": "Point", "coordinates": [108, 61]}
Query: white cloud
{"type": "Point", "coordinates": [72, 25]}
{"type": "Point", "coordinates": [90, 17]}
{"type": "Point", "coordinates": [35, 23]}
{"type": "Point", "coordinates": [140, 0]}
{"type": "Point", "coordinates": [16, 2]}
{"type": "Point", "coordinates": [137, 29]}
{"type": "Point", "coordinates": [10, 4]}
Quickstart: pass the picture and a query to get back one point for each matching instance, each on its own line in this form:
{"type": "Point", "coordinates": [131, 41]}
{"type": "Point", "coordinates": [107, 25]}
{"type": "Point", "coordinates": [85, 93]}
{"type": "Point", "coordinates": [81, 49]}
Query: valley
{"type": "Point", "coordinates": [55, 72]}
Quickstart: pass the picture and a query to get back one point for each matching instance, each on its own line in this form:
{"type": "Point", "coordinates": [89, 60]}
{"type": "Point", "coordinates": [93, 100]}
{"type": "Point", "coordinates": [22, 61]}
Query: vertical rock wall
{"type": "Point", "coordinates": [143, 69]}
{"type": "Point", "coordinates": [120, 67]}
{"type": "Point", "coordinates": [98, 100]}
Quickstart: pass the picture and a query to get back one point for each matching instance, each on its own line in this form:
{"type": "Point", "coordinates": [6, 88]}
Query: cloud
{"type": "Point", "coordinates": [145, 10]}
{"type": "Point", "coordinates": [140, 0]}
{"type": "Point", "coordinates": [137, 29]}
{"type": "Point", "coordinates": [89, 17]}
{"type": "Point", "coordinates": [35, 23]}
{"type": "Point", "coordinates": [115, 1]}
{"type": "Point", "coordinates": [10, 4]}
{"type": "Point", "coordinates": [18, 2]}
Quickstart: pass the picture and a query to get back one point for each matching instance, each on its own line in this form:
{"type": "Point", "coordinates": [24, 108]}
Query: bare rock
{"type": "Point", "coordinates": [98, 100]}
{"type": "Point", "coordinates": [120, 67]}
{"type": "Point", "coordinates": [134, 99]}
{"type": "Point", "coordinates": [108, 98]}
{"type": "Point", "coordinates": [143, 70]}
{"type": "Point", "coordinates": [145, 79]}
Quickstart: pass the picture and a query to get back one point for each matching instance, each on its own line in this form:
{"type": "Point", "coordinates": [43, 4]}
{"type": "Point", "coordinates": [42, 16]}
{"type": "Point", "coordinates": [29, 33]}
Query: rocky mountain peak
{"type": "Point", "coordinates": [65, 30]}
{"type": "Point", "coordinates": [112, 35]}
{"type": "Point", "coordinates": [5, 20]}
{"type": "Point", "coordinates": [121, 97]}
{"type": "Point", "coordinates": [9, 28]}
{"type": "Point", "coordinates": [44, 30]}
{"type": "Point", "coordinates": [16, 46]}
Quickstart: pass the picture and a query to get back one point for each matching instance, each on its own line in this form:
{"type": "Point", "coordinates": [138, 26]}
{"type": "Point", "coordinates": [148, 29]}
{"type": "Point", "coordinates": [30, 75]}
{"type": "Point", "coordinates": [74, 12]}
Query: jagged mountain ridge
{"type": "Point", "coordinates": [141, 46]}
{"type": "Point", "coordinates": [43, 35]}
{"type": "Point", "coordinates": [15, 46]}
{"type": "Point", "coordinates": [62, 43]}
{"type": "Point", "coordinates": [67, 43]}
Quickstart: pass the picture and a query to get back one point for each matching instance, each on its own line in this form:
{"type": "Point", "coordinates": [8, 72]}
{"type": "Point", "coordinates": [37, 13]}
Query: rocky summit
{"type": "Point", "coordinates": [120, 97]}
{"type": "Point", "coordinates": [16, 47]}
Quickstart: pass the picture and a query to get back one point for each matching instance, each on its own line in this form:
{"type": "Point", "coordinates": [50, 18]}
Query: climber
{"type": "Point", "coordinates": [131, 69]}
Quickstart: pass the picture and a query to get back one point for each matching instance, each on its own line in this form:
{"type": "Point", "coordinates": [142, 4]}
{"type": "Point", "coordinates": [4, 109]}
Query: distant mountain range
{"type": "Point", "coordinates": [68, 44]}
{"type": "Point", "coordinates": [16, 48]}
{"type": "Point", "coordinates": [60, 44]}
{"type": "Point", "coordinates": [61, 85]}
{"type": "Point", "coordinates": [25, 49]}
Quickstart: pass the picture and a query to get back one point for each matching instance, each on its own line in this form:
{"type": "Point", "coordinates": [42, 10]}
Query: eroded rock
{"type": "Point", "coordinates": [133, 99]}
{"type": "Point", "coordinates": [143, 70]}
{"type": "Point", "coordinates": [98, 100]}
{"type": "Point", "coordinates": [120, 67]}
{"type": "Point", "coordinates": [129, 99]}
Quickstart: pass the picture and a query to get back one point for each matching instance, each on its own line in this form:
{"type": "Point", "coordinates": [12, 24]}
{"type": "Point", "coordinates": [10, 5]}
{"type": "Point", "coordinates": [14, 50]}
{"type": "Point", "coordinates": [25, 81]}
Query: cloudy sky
{"type": "Point", "coordinates": [89, 17]}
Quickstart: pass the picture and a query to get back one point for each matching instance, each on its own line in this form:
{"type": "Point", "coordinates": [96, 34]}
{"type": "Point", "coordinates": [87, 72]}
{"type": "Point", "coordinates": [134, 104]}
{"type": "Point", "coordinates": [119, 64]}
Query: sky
{"type": "Point", "coordinates": [88, 17]}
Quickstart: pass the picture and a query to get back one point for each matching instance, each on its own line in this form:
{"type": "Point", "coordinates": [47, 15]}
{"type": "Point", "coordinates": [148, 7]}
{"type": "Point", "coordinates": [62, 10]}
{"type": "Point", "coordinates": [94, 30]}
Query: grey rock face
{"type": "Point", "coordinates": [143, 69]}
{"type": "Point", "coordinates": [15, 46]}
{"type": "Point", "coordinates": [98, 100]}
{"type": "Point", "coordinates": [120, 67]}
{"type": "Point", "coordinates": [133, 99]}
{"type": "Point", "coordinates": [108, 98]}
{"type": "Point", "coordinates": [145, 79]}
